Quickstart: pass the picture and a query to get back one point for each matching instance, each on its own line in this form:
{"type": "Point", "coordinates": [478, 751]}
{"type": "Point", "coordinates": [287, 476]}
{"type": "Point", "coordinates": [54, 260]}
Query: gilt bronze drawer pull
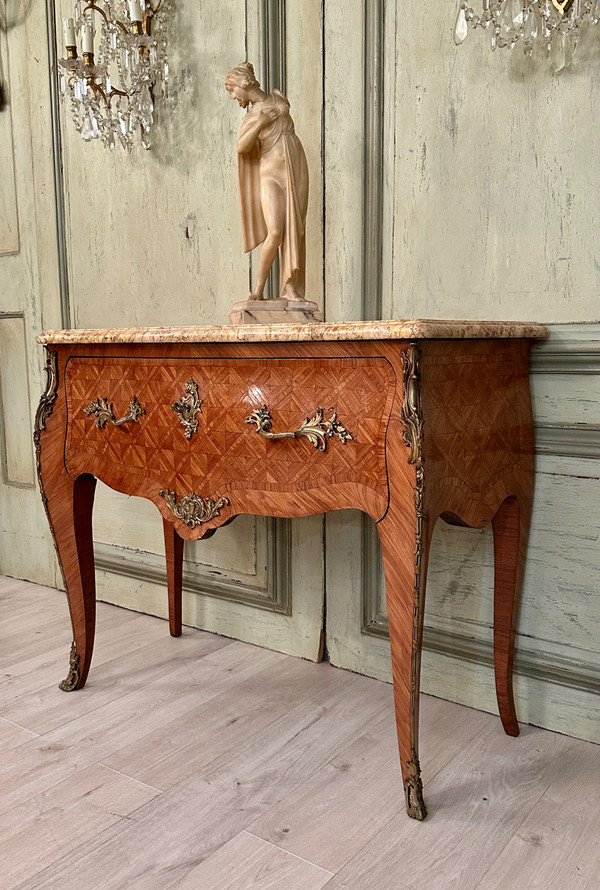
{"type": "Point", "coordinates": [315, 429]}
{"type": "Point", "coordinates": [187, 407]}
{"type": "Point", "coordinates": [192, 509]}
{"type": "Point", "coordinates": [103, 410]}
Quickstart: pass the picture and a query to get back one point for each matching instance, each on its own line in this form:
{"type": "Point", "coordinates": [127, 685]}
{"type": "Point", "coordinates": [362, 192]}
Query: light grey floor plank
{"type": "Point", "coordinates": [223, 723]}
{"type": "Point", "coordinates": [313, 820]}
{"type": "Point", "coordinates": [14, 592]}
{"type": "Point", "coordinates": [558, 845]}
{"type": "Point", "coordinates": [364, 780]}
{"type": "Point", "coordinates": [22, 635]}
{"type": "Point", "coordinates": [174, 833]}
{"type": "Point", "coordinates": [11, 736]}
{"type": "Point", "coordinates": [47, 708]}
{"type": "Point", "coordinates": [165, 769]}
{"type": "Point", "coordinates": [51, 758]}
{"type": "Point", "coordinates": [476, 804]}
{"type": "Point", "coordinates": [44, 659]}
{"type": "Point", "coordinates": [50, 825]}
{"type": "Point", "coordinates": [252, 864]}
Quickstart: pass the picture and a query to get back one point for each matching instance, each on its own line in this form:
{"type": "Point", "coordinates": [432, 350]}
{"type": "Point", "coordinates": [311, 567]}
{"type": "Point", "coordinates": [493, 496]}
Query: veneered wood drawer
{"type": "Point", "coordinates": [226, 452]}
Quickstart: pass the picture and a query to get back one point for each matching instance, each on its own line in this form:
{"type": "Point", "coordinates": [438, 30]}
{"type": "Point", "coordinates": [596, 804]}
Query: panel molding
{"type": "Point", "coordinates": [374, 622]}
{"type": "Point", "coordinates": [273, 75]}
{"type": "Point", "coordinates": [10, 237]}
{"type": "Point", "coordinates": [4, 449]}
{"type": "Point", "coordinates": [58, 169]}
{"type": "Point", "coordinates": [273, 64]}
{"type": "Point", "coordinates": [276, 596]}
{"type": "Point", "coordinates": [581, 675]}
{"type": "Point", "coordinates": [373, 105]}
{"type": "Point", "coordinates": [568, 440]}
{"type": "Point", "coordinates": [570, 349]}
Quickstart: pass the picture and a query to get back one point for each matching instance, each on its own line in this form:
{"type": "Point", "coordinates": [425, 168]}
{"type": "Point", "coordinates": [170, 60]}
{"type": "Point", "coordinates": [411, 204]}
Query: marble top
{"type": "Point", "coordinates": [401, 329]}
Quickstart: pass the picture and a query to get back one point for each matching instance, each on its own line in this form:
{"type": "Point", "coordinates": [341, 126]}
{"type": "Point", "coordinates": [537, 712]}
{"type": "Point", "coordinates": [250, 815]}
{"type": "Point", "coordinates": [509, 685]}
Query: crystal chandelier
{"type": "Point", "coordinates": [556, 24]}
{"type": "Point", "coordinates": [111, 89]}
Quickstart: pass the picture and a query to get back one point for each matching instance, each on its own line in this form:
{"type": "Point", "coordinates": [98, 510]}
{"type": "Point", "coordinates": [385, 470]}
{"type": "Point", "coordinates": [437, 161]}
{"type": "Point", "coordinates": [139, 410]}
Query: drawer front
{"type": "Point", "coordinates": [215, 446]}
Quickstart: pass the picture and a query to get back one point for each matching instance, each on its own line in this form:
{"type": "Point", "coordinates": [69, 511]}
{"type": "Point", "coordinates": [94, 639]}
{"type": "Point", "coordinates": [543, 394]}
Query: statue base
{"type": "Point", "coordinates": [279, 311]}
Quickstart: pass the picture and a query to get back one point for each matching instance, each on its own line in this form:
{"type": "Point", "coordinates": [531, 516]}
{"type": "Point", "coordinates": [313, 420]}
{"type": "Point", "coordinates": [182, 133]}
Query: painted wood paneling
{"type": "Point", "coordinates": [133, 525]}
{"type": "Point", "coordinates": [27, 268]}
{"type": "Point", "coordinates": [304, 65]}
{"type": "Point", "coordinates": [154, 237]}
{"type": "Point", "coordinates": [496, 208]}
{"type": "Point", "coordinates": [343, 159]}
{"type": "Point", "coordinates": [9, 218]}
{"type": "Point", "coordinates": [15, 432]}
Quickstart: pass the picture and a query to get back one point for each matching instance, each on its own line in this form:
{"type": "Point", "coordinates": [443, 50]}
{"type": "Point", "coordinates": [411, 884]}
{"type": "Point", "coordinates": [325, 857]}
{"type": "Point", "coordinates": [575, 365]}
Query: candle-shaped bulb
{"type": "Point", "coordinates": [87, 38]}
{"type": "Point", "coordinates": [135, 10]}
{"type": "Point", "coordinates": [69, 32]}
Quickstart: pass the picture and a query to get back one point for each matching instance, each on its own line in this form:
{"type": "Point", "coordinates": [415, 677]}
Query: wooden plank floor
{"type": "Point", "coordinates": [201, 762]}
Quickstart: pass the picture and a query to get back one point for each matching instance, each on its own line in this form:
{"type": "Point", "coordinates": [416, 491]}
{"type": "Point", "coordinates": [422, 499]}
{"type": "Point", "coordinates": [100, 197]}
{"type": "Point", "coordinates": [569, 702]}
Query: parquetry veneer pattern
{"type": "Point", "coordinates": [226, 452]}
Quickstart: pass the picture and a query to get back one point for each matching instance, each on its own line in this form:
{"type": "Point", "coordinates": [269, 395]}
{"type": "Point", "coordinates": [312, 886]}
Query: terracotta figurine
{"type": "Point", "coordinates": [273, 177]}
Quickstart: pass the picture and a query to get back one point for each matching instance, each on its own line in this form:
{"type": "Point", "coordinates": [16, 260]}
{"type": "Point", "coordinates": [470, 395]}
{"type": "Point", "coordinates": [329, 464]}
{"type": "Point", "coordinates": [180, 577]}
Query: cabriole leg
{"type": "Point", "coordinates": [174, 554]}
{"type": "Point", "coordinates": [69, 505]}
{"type": "Point", "coordinates": [511, 529]}
{"type": "Point", "coordinates": [405, 568]}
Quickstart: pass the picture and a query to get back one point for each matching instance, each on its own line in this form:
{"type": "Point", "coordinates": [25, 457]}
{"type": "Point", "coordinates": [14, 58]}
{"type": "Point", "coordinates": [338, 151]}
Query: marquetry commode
{"type": "Point", "coordinates": [406, 420]}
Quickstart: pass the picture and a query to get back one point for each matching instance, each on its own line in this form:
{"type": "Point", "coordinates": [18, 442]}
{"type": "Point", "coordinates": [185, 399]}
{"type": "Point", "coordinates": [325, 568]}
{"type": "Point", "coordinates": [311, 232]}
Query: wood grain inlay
{"type": "Point", "coordinates": [226, 453]}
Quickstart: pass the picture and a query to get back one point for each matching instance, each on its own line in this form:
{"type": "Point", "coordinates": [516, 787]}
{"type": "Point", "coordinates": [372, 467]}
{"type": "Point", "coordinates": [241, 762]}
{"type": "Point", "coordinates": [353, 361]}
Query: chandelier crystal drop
{"type": "Point", "coordinates": [556, 24]}
{"type": "Point", "coordinates": [112, 84]}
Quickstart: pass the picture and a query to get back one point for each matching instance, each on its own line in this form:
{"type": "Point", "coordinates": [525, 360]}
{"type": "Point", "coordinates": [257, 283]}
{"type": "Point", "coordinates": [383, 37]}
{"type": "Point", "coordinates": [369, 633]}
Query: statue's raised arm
{"type": "Point", "coordinates": [273, 179]}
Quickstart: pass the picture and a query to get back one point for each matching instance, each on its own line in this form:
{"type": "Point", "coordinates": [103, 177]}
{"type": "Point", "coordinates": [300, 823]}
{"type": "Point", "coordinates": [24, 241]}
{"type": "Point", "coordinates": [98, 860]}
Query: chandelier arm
{"type": "Point", "coordinates": [98, 9]}
{"type": "Point", "coordinates": [115, 92]}
{"type": "Point", "coordinates": [150, 12]}
{"type": "Point", "coordinates": [97, 89]}
{"type": "Point", "coordinates": [105, 17]}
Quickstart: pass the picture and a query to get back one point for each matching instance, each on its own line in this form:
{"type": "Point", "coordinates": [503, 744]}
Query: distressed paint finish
{"type": "Point", "coordinates": [27, 269]}
{"type": "Point", "coordinates": [9, 219]}
{"type": "Point", "coordinates": [15, 431]}
{"type": "Point", "coordinates": [343, 159]}
{"type": "Point", "coordinates": [167, 220]}
{"type": "Point", "coordinates": [496, 209]}
{"type": "Point", "coordinates": [304, 66]}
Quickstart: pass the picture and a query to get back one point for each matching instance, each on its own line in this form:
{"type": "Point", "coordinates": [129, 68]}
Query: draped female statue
{"type": "Point", "coordinates": [273, 180]}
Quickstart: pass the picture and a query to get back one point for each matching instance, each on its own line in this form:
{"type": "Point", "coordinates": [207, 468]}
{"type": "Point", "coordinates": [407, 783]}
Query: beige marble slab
{"type": "Point", "coordinates": [407, 329]}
